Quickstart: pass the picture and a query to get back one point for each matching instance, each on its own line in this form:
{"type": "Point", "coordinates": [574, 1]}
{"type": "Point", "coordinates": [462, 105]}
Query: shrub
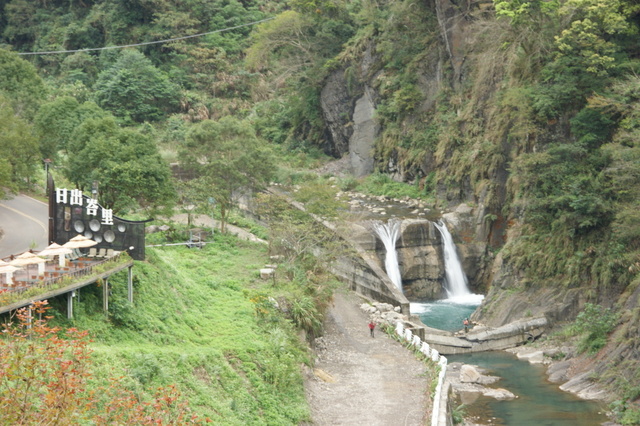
{"type": "Point", "coordinates": [594, 323]}
{"type": "Point", "coordinates": [381, 184]}
{"type": "Point", "coordinates": [631, 417]}
{"type": "Point", "coordinates": [457, 414]}
{"type": "Point", "coordinates": [305, 315]}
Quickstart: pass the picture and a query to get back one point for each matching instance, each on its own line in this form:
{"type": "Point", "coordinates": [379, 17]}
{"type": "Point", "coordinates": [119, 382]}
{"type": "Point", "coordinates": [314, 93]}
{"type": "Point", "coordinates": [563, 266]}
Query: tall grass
{"type": "Point", "coordinates": [381, 184]}
{"type": "Point", "coordinates": [193, 323]}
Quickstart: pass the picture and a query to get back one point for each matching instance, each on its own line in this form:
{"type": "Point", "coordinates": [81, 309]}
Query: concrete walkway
{"type": "Point", "coordinates": [204, 221]}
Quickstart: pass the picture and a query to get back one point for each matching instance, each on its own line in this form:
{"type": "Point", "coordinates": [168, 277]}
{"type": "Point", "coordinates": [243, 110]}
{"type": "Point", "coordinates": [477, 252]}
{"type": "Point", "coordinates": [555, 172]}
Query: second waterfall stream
{"type": "Point", "coordinates": [456, 284]}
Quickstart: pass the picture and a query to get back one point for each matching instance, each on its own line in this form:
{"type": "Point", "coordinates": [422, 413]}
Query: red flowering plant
{"type": "Point", "coordinates": [44, 376]}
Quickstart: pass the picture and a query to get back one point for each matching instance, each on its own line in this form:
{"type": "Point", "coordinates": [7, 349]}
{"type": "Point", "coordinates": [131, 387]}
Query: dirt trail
{"type": "Point", "coordinates": [365, 381]}
{"type": "Point", "coordinates": [376, 380]}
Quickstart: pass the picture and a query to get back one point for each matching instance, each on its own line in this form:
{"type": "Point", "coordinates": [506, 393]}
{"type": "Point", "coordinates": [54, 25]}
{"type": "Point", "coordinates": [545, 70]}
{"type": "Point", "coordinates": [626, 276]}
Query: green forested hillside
{"type": "Point", "coordinates": [527, 110]}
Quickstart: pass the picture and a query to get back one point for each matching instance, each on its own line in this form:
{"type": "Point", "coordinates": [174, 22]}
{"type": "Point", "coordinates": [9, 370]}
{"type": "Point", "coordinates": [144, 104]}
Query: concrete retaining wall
{"type": "Point", "coordinates": [361, 271]}
{"type": "Point", "coordinates": [440, 414]}
{"type": "Point", "coordinates": [366, 277]}
{"type": "Point", "coordinates": [489, 339]}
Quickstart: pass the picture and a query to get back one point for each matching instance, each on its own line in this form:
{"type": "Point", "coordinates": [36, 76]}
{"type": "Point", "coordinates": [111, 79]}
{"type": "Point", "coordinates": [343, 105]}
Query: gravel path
{"type": "Point", "coordinates": [359, 380]}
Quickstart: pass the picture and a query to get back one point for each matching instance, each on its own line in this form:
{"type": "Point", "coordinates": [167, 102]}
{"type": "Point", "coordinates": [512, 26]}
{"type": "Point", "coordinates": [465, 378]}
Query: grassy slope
{"type": "Point", "coordinates": [193, 324]}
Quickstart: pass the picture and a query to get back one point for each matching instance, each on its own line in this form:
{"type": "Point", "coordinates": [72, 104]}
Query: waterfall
{"type": "Point", "coordinates": [389, 233]}
{"type": "Point", "coordinates": [455, 278]}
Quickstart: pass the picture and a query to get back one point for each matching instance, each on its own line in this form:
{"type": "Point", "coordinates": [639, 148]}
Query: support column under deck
{"type": "Point", "coordinates": [70, 304]}
{"type": "Point", "coordinates": [130, 284]}
{"type": "Point", "coordinates": [105, 296]}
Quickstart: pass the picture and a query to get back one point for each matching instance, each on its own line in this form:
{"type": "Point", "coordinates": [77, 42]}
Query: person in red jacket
{"type": "Point", "coordinates": [372, 326]}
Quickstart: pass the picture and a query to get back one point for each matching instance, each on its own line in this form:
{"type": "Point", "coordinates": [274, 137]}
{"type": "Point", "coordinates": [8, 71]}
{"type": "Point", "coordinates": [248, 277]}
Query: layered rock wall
{"type": "Point", "coordinates": [420, 259]}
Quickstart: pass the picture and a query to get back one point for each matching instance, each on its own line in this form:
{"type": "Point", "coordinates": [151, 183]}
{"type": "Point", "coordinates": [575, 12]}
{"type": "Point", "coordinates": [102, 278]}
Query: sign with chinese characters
{"type": "Point", "coordinates": [75, 198]}
{"type": "Point", "coordinates": [72, 213]}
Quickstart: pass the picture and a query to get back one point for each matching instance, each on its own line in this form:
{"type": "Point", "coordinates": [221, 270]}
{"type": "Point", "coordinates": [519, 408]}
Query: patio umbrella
{"type": "Point", "coordinates": [8, 270]}
{"type": "Point", "coordinates": [79, 241]}
{"type": "Point", "coordinates": [27, 258]}
{"type": "Point", "coordinates": [56, 250]}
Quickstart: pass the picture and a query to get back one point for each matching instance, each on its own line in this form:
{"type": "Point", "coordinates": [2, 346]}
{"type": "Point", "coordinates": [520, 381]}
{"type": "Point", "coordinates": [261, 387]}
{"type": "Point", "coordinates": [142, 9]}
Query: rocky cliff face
{"type": "Point", "coordinates": [351, 118]}
{"type": "Point", "coordinates": [337, 109]}
{"type": "Point", "coordinates": [420, 259]}
{"type": "Point", "coordinates": [473, 186]}
{"type": "Point", "coordinates": [365, 132]}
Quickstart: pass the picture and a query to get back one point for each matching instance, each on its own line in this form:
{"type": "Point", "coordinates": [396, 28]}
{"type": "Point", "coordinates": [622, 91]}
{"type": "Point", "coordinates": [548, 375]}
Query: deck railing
{"type": "Point", "coordinates": [63, 277]}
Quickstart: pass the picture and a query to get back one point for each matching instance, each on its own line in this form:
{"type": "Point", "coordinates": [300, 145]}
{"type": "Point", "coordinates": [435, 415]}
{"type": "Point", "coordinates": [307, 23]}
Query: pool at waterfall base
{"type": "Point", "coordinates": [444, 314]}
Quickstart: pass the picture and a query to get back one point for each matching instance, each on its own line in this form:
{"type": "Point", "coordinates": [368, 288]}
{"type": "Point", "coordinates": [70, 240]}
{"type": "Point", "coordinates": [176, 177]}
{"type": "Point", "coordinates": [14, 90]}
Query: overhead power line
{"type": "Point", "coordinates": [51, 52]}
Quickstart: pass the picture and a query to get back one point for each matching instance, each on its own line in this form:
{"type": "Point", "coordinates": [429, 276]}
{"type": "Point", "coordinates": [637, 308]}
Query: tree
{"type": "Point", "coordinates": [622, 104]}
{"type": "Point", "coordinates": [594, 25]}
{"type": "Point", "coordinates": [227, 156]}
{"type": "Point", "coordinates": [79, 67]}
{"type": "Point", "coordinates": [132, 88]}
{"type": "Point", "coordinates": [5, 176]}
{"type": "Point", "coordinates": [524, 11]}
{"type": "Point", "coordinates": [21, 84]}
{"type": "Point", "coordinates": [41, 371]}
{"type": "Point", "coordinates": [286, 35]}
{"type": "Point", "coordinates": [125, 162]}
{"type": "Point", "coordinates": [21, 25]}
{"type": "Point", "coordinates": [19, 153]}
{"type": "Point", "coordinates": [56, 121]}
{"type": "Point", "coordinates": [565, 189]}
{"type": "Point", "coordinates": [589, 50]}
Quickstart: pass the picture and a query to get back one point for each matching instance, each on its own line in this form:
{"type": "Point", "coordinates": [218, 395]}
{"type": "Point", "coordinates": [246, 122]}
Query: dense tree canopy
{"type": "Point", "coordinates": [57, 120]}
{"type": "Point", "coordinates": [20, 84]}
{"type": "Point", "coordinates": [133, 88]}
{"type": "Point", "coordinates": [19, 151]}
{"type": "Point", "coordinates": [227, 156]}
{"type": "Point", "coordinates": [124, 162]}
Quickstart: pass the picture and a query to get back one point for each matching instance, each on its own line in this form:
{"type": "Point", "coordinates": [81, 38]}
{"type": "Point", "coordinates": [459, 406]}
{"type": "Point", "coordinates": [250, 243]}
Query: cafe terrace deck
{"type": "Point", "coordinates": [57, 280]}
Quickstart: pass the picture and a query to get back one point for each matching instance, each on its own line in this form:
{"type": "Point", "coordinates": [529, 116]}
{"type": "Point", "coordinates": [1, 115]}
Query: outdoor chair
{"type": "Point", "coordinates": [93, 252]}
{"type": "Point", "coordinates": [110, 253]}
{"type": "Point", "coordinates": [102, 252]}
{"type": "Point", "coordinates": [78, 253]}
{"type": "Point", "coordinates": [75, 254]}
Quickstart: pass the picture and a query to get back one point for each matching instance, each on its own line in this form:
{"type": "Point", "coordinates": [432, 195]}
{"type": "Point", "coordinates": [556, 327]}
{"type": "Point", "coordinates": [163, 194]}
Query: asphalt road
{"type": "Point", "coordinates": [24, 221]}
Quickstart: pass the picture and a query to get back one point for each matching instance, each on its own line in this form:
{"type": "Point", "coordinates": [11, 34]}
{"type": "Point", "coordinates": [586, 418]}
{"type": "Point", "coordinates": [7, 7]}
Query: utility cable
{"type": "Point", "coordinates": [146, 42]}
